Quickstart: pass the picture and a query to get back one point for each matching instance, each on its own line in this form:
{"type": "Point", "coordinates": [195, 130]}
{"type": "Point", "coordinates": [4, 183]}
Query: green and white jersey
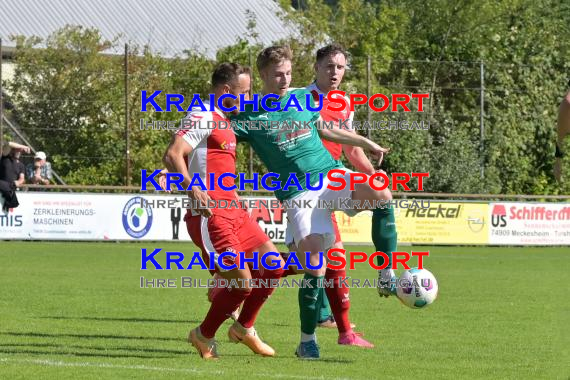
{"type": "Point", "coordinates": [286, 141]}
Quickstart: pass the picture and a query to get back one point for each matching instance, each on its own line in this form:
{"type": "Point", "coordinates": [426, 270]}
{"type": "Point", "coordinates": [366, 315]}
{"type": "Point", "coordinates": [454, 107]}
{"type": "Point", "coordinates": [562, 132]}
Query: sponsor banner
{"type": "Point", "coordinates": [62, 216]}
{"type": "Point", "coordinates": [79, 216]}
{"type": "Point", "coordinates": [444, 223]}
{"type": "Point", "coordinates": [356, 229]}
{"type": "Point", "coordinates": [529, 223]}
{"type": "Point", "coordinates": [440, 223]}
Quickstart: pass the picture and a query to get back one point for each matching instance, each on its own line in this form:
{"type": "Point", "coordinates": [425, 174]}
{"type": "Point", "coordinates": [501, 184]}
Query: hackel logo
{"type": "Point", "coordinates": [136, 220]}
{"type": "Point", "coordinates": [499, 216]}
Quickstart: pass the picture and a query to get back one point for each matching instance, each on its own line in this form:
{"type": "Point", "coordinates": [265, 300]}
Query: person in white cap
{"type": "Point", "coordinates": [39, 173]}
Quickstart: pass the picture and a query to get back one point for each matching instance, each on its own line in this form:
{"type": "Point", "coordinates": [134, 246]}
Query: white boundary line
{"type": "Point", "coordinates": [54, 363]}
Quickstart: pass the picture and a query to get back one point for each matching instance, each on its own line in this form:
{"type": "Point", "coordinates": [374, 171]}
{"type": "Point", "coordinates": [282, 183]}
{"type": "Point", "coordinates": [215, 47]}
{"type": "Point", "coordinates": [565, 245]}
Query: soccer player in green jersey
{"type": "Point", "coordinates": [291, 149]}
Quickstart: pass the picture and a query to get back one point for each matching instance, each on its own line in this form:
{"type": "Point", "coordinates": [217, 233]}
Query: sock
{"type": "Point", "coordinates": [225, 301]}
{"type": "Point", "coordinates": [338, 297]}
{"type": "Point", "coordinates": [309, 303]}
{"type": "Point", "coordinates": [308, 337]}
{"type": "Point", "coordinates": [384, 234]}
{"type": "Point", "coordinates": [325, 309]}
{"type": "Point", "coordinates": [258, 296]}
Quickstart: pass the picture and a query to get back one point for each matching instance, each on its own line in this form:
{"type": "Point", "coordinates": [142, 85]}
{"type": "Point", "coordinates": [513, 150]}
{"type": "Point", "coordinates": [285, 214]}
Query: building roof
{"type": "Point", "coordinates": [168, 27]}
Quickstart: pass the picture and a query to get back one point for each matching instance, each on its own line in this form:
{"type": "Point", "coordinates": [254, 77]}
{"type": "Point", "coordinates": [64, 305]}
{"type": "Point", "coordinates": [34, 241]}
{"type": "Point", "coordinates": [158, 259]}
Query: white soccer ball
{"type": "Point", "coordinates": [417, 288]}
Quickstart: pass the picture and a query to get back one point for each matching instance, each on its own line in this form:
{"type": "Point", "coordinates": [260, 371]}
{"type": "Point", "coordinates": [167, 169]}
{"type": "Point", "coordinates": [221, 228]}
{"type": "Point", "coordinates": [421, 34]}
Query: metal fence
{"type": "Point", "coordinates": [395, 80]}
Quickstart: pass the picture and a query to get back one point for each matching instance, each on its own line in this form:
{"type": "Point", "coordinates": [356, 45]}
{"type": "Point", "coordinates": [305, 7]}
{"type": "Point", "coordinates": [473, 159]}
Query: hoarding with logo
{"type": "Point", "coordinates": [514, 223]}
{"type": "Point", "coordinates": [61, 216]}
{"type": "Point", "coordinates": [437, 223]}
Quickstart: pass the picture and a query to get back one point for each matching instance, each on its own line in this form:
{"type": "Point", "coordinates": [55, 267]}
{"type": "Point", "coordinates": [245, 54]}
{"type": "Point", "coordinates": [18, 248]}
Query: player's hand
{"type": "Point", "coordinates": [162, 180]}
{"type": "Point", "coordinates": [380, 180]}
{"type": "Point", "coordinates": [202, 198]}
{"type": "Point", "coordinates": [376, 150]}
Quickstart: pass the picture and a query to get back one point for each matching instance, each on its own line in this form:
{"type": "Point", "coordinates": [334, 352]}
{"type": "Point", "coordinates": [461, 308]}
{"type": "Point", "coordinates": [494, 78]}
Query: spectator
{"type": "Point", "coordinates": [11, 173]}
{"type": "Point", "coordinates": [11, 168]}
{"type": "Point", "coordinates": [39, 173]}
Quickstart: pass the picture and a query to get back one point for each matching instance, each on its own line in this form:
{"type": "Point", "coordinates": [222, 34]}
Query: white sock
{"type": "Point", "coordinates": [387, 274]}
{"type": "Point", "coordinates": [308, 337]}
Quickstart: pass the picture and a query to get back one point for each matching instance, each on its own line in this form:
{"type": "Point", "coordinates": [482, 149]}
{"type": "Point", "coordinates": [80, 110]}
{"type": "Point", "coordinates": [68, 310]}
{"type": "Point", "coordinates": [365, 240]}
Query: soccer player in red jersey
{"type": "Point", "coordinates": [330, 66]}
{"type": "Point", "coordinates": [203, 150]}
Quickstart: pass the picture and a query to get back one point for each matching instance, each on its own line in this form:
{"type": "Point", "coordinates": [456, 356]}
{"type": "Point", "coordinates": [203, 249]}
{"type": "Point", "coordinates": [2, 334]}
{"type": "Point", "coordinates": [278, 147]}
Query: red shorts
{"type": "Point", "coordinates": [230, 230]}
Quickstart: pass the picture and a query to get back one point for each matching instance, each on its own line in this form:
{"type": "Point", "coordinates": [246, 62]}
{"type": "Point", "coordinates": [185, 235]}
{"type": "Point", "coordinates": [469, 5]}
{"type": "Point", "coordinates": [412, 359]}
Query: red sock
{"type": "Point", "coordinates": [338, 299]}
{"type": "Point", "coordinates": [225, 301]}
{"type": "Point", "coordinates": [258, 296]}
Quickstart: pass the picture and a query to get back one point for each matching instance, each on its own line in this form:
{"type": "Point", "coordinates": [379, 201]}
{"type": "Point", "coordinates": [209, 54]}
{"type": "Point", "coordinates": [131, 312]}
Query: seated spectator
{"type": "Point", "coordinates": [39, 173]}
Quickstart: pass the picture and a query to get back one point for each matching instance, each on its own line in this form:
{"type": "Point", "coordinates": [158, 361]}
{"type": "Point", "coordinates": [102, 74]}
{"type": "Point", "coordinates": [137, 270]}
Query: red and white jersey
{"type": "Point", "coordinates": [213, 150]}
{"type": "Point", "coordinates": [335, 149]}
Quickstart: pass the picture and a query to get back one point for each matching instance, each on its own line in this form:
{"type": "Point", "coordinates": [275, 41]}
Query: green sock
{"type": "Point", "coordinates": [325, 309]}
{"type": "Point", "coordinates": [384, 234]}
{"type": "Point", "coordinates": [309, 303]}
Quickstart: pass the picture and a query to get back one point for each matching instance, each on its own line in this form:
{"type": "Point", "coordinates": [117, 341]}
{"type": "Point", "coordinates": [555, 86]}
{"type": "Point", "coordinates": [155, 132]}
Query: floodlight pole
{"type": "Point", "coordinates": [127, 153]}
{"type": "Point", "coordinates": [368, 91]}
{"type": "Point", "coordinates": [482, 121]}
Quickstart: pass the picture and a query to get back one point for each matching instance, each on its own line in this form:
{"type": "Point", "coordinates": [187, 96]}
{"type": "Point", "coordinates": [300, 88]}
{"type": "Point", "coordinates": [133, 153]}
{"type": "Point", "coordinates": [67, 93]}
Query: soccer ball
{"type": "Point", "coordinates": [417, 288]}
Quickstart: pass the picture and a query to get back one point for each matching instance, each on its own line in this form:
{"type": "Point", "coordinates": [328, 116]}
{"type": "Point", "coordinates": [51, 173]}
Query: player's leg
{"type": "Point", "coordinates": [291, 270]}
{"type": "Point", "coordinates": [385, 239]}
{"type": "Point", "coordinates": [313, 231]}
{"type": "Point", "coordinates": [215, 234]}
{"type": "Point", "coordinates": [339, 297]}
{"type": "Point", "coordinates": [384, 233]}
{"type": "Point", "coordinates": [310, 248]}
{"type": "Point", "coordinates": [326, 318]}
{"type": "Point", "coordinates": [253, 239]}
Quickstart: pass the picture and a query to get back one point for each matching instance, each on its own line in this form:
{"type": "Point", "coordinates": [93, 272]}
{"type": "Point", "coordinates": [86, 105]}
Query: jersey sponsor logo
{"type": "Point", "coordinates": [228, 146]}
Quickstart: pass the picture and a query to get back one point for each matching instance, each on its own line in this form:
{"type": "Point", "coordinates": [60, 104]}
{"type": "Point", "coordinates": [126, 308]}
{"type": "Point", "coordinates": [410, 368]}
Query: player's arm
{"type": "Point", "coordinates": [354, 139]}
{"type": "Point", "coordinates": [21, 180]}
{"type": "Point", "coordinates": [358, 159]}
{"type": "Point", "coordinates": [563, 129]}
{"type": "Point", "coordinates": [175, 163]}
{"type": "Point", "coordinates": [355, 155]}
{"type": "Point", "coordinates": [9, 145]}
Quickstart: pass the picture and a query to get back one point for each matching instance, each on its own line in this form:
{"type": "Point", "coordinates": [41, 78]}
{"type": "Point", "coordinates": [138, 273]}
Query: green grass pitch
{"type": "Point", "coordinates": [75, 310]}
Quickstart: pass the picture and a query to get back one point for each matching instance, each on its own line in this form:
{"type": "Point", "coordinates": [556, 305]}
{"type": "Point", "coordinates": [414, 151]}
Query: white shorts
{"type": "Point", "coordinates": [304, 221]}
